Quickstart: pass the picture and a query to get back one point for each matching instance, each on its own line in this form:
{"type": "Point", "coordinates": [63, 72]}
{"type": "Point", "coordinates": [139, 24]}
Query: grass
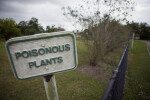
{"type": "Point", "coordinates": [82, 53]}
{"type": "Point", "coordinates": [109, 62]}
{"type": "Point", "coordinates": [71, 85]}
{"type": "Point", "coordinates": [138, 73]}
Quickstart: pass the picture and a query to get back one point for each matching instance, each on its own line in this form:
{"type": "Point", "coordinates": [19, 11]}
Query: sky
{"type": "Point", "coordinates": [48, 12]}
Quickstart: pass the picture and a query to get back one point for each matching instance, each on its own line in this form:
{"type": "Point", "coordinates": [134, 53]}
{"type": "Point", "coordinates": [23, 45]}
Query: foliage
{"type": "Point", "coordinates": [100, 21]}
{"type": "Point", "coordinates": [54, 29]}
{"type": "Point", "coordinates": [94, 11]}
{"type": "Point", "coordinates": [141, 30]}
{"type": "Point", "coordinates": [144, 31]}
{"type": "Point", "coordinates": [8, 29]}
{"type": "Point", "coordinates": [108, 38]}
{"type": "Point", "coordinates": [134, 26]}
{"type": "Point", "coordinates": [33, 27]}
{"type": "Point", "coordinates": [30, 27]}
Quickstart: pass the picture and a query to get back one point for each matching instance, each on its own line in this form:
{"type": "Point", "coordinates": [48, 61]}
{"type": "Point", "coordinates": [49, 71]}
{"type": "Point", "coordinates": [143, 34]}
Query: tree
{"type": "Point", "coordinates": [30, 27]}
{"type": "Point", "coordinates": [30, 31]}
{"type": "Point", "coordinates": [8, 28]}
{"type": "Point", "coordinates": [60, 29]}
{"type": "Point", "coordinates": [33, 23]}
{"type": "Point", "coordinates": [100, 20]}
{"type": "Point", "coordinates": [40, 28]}
{"type": "Point", "coordinates": [144, 31]}
{"type": "Point", "coordinates": [50, 28]}
{"type": "Point", "coordinates": [141, 30]}
{"type": "Point", "coordinates": [23, 25]}
{"type": "Point", "coordinates": [54, 29]}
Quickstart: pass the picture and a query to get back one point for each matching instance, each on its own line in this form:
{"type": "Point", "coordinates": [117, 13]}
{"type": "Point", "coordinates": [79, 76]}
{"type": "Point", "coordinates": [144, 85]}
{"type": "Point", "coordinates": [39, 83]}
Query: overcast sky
{"type": "Point", "coordinates": [49, 12]}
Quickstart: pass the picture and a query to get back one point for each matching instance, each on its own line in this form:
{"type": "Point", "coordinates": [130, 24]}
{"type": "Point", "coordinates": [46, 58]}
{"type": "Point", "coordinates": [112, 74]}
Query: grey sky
{"type": "Point", "coordinates": [49, 11]}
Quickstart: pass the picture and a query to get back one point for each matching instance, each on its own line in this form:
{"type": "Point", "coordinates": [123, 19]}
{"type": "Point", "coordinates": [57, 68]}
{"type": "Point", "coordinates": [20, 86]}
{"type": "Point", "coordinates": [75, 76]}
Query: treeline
{"type": "Point", "coordinates": [9, 28]}
{"type": "Point", "coordinates": [141, 30]}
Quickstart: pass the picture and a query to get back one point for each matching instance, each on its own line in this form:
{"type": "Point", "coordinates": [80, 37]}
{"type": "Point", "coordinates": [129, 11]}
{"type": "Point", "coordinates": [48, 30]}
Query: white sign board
{"type": "Point", "coordinates": [42, 54]}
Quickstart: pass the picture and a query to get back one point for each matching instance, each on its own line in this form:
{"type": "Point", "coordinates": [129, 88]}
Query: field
{"type": "Point", "coordinates": [138, 73]}
{"type": "Point", "coordinates": [74, 85]}
{"type": "Point", "coordinates": [71, 85]}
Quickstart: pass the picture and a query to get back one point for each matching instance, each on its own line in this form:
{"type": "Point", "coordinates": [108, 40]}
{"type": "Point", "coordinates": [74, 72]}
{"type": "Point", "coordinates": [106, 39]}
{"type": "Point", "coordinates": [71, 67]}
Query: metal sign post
{"type": "Point", "coordinates": [47, 80]}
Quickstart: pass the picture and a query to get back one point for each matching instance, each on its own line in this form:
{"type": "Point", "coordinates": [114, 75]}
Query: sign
{"type": "Point", "coordinates": [42, 54]}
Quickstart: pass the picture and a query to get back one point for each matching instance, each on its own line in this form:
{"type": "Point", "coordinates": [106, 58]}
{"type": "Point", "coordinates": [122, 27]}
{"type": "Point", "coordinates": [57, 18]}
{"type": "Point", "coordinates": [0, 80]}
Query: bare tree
{"type": "Point", "coordinates": [100, 20]}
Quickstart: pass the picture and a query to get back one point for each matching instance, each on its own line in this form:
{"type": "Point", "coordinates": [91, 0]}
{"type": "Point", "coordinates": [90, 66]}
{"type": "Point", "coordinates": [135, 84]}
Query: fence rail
{"type": "Point", "coordinates": [114, 90]}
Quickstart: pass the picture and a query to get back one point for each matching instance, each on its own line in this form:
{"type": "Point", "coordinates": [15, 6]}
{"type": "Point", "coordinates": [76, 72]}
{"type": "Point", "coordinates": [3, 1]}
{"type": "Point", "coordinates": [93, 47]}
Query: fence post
{"type": "Point", "coordinates": [132, 40]}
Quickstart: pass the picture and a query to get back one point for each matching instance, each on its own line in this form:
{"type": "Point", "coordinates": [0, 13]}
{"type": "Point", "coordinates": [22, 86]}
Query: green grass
{"type": "Point", "coordinates": [71, 85]}
{"type": "Point", "coordinates": [77, 86]}
{"type": "Point", "coordinates": [82, 53]}
{"type": "Point", "coordinates": [137, 85]}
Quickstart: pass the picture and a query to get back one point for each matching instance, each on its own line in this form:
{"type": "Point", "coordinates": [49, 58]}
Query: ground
{"type": "Point", "coordinates": [104, 69]}
{"type": "Point", "coordinates": [71, 85]}
{"type": "Point", "coordinates": [84, 83]}
{"type": "Point", "coordinates": [96, 72]}
{"type": "Point", "coordinates": [138, 72]}
{"type": "Point", "coordinates": [148, 46]}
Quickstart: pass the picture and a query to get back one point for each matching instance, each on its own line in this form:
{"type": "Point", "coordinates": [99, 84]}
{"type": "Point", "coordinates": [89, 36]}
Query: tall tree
{"type": "Point", "coordinates": [23, 25]}
{"type": "Point", "coordinates": [101, 19]}
{"type": "Point", "coordinates": [134, 27]}
{"type": "Point", "coordinates": [141, 30]}
{"type": "Point", "coordinates": [144, 31]}
{"type": "Point", "coordinates": [8, 28]}
{"type": "Point", "coordinates": [41, 29]}
{"type": "Point", "coordinates": [30, 27]}
{"type": "Point", "coordinates": [33, 23]}
{"type": "Point", "coordinates": [54, 29]}
{"type": "Point", "coordinates": [50, 28]}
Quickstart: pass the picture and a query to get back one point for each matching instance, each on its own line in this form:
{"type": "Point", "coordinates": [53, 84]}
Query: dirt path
{"type": "Point", "coordinates": [96, 72]}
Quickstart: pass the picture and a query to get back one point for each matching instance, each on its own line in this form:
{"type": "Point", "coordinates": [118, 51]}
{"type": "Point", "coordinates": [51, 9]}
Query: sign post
{"type": "Point", "coordinates": [42, 55]}
{"type": "Point", "coordinates": [54, 88]}
{"type": "Point", "coordinates": [46, 88]}
{"type": "Point", "coordinates": [46, 80]}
